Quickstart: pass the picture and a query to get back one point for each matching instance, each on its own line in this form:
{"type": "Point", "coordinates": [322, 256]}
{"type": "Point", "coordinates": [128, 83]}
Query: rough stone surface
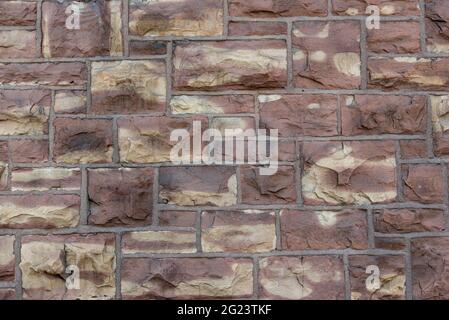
{"type": "Point", "coordinates": [17, 44]}
{"type": "Point", "coordinates": [159, 242]}
{"type": "Point", "coordinates": [147, 48]}
{"type": "Point", "coordinates": [302, 278]}
{"type": "Point", "coordinates": [18, 13]}
{"type": "Point", "coordinates": [7, 260]}
{"type": "Point", "coordinates": [326, 55]}
{"type": "Point", "coordinates": [182, 219]}
{"type": "Point", "coordinates": [71, 102]}
{"type": "Point", "coordinates": [41, 179]}
{"type": "Point", "coordinates": [304, 230]}
{"type": "Point", "coordinates": [45, 259]}
{"type": "Point", "coordinates": [258, 28]}
{"type": "Point", "coordinates": [423, 183]}
{"type": "Point", "coordinates": [245, 231]}
{"type": "Point", "coordinates": [391, 277]}
{"type": "Point", "coordinates": [120, 196]}
{"type": "Point", "coordinates": [437, 26]}
{"type": "Point", "coordinates": [413, 149]}
{"type": "Point", "coordinates": [387, 7]}
{"type": "Point", "coordinates": [4, 159]}
{"type": "Point", "coordinates": [187, 278]}
{"type": "Point", "coordinates": [29, 151]}
{"type": "Point", "coordinates": [409, 220]}
{"type": "Point", "coordinates": [192, 104]}
{"type": "Point", "coordinates": [273, 8]}
{"type": "Point", "coordinates": [7, 294]}
{"type": "Point", "coordinates": [440, 118]}
{"type": "Point", "coordinates": [395, 37]}
{"type": "Point", "coordinates": [349, 172]}
{"type": "Point", "coordinates": [39, 211]}
{"type": "Point", "coordinates": [231, 64]}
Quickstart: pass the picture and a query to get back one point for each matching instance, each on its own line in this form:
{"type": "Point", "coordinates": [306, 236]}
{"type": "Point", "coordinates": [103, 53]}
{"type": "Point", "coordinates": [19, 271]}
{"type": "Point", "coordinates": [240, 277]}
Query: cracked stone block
{"type": "Point", "coordinates": [277, 9]}
{"type": "Point", "coordinates": [128, 86]}
{"type": "Point", "coordinates": [120, 197]}
{"type": "Point", "coordinates": [423, 183]}
{"type": "Point", "coordinates": [383, 114]}
{"type": "Point", "coordinates": [7, 258]}
{"type": "Point", "coordinates": [391, 277]}
{"type": "Point", "coordinates": [223, 104]}
{"type": "Point", "coordinates": [299, 115]}
{"type": "Point", "coordinates": [15, 44]}
{"type": "Point", "coordinates": [437, 26]}
{"type": "Point", "coordinates": [48, 73]}
{"type": "Point", "coordinates": [301, 278]}
{"type": "Point", "coordinates": [279, 188]}
{"type": "Point", "coordinates": [326, 55]}
{"type": "Point", "coordinates": [187, 278]}
{"type": "Point", "coordinates": [409, 220]}
{"type": "Point", "coordinates": [29, 151]}
{"type": "Point", "coordinates": [387, 7]}
{"type": "Point", "coordinates": [321, 230]}
{"type": "Point", "coordinates": [70, 102]}
{"type": "Point", "coordinates": [159, 242]}
{"type": "Point", "coordinates": [41, 179]}
{"type": "Point", "coordinates": [24, 112]}
{"type": "Point", "coordinates": [408, 73]}
{"type": "Point", "coordinates": [430, 268]}
{"type": "Point", "coordinates": [46, 259]}
{"type": "Point", "coordinates": [47, 211]}
{"type": "Point", "coordinates": [99, 32]}
{"type": "Point", "coordinates": [238, 231]}
{"type": "Point", "coordinates": [147, 139]}
{"type": "Point", "coordinates": [83, 140]}
{"type": "Point", "coordinates": [18, 13]}
{"type": "Point", "coordinates": [198, 186]}
{"type": "Point", "coordinates": [181, 219]}
{"type": "Point", "coordinates": [353, 172]}
{"type": "Point", "coordinates": [230, 64]}
{"type": "Point", "coordinates": [399, 37]}
{"type": "Point", "coordinates": [176, 18]}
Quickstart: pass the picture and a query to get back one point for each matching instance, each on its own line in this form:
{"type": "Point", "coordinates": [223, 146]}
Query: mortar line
{"type": "Point", "coordinates": [39, 35]}
{"type": "Point", "coordinates": [371, 231]}
{"type": "Point", "coordinates": [278, 231]}
{"type": "Point", "coordinates": [118, 265]}
{"type": "Point", "coordinates": [429, 129]}
{"type": "Point", "coordinates": [199, 231]}
{"type": "Point", "coordinates": [155, 195]}
{"type": "Point", "coordinates": [18, 260]}
{"type": "Point", "coordinates": [84, 198]}
{"type": "Point", "coordinates": [226, 18]}
{"type": "Point", "coordinates": [364, 55]}
{"type": "Point", "coordinates": [399, 178]}
{"type": "Point", "coordinates": [347, 277]}
{"type": "Point", "coordinates": [125, 27]}
{"type": "Point", "coordinates": [255, 261]}
{"type": "Point", "coordinates": [408, 272]}
{"type": "Point", "coordinates": [422, 28]}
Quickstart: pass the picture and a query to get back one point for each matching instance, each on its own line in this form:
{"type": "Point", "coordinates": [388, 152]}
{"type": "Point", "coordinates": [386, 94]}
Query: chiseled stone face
{"type": "Point", "coordinates": [18, 13]}
{"type": "Point", "coordinates": [400, 37]}
{"type": "Point", "coordinates": [147, 139]}
{"type": "Point", "coordinates": [49, 73]}
{"type": "Point", "coordinates": [278, 188]}
{"type": "Point", "coordinates": [430, 268]}
{"type": "Point", "coordinates": [299, 115]}
{"type": "Point", "coordinates": [383, 114]}
{"type": "Point", "coordinates": [195, 186]}
{"type": "Point", "coordinates": [128, 86]}
{"type": "Point", "coordinates": [387, 7]}
{"type": "Point", "coordinates": [409, 220]}
{"type": "Point", "coordinates": [39, 211]}
{"type": "Point", "coordinates": [392, 277]}
{"type": "Point", "coordinates": [28, 151]}
{"type": "Point", "coordinates": [3, 165]}
{"type": "Point", "coordinates": [45, 259]}
{"type": "Point", "coordinates": [358, 172]}
{"type": "Point", "coordinates": [99, 32]}
{"type": "Point", "coordinates": [40, 179]}
{"type": "Point", "coordinates": [231, 64]}
{"type": "Point", "coordinates": [24, 112]}
{"type": "Point", "coordinates": [326, 55]}
{"type": "Point", "coordinates": [238, 231]}
{"type": "Point", "coordinates": [437, 26]}
{"type": "Point", "coordinates": [423, 183]}
{"type": "Point", "coordinates": [15, 44]}
{"type": "Point", "coordinates": [187, 278]}
{"type": "Point", "coordinates": [176, 18]}
{"type": "Point", "coordinates": [182, 219]}
{"type": "Point", "coordinates": [83, 140]}
{"type": "Point", "coordinates": [70, 102]}
{"type": "Point", "coordinates": [412, 149]}
{"type": "Point", "coordinates": [120, 196]}
{"type": "Point", "coordinates": [304, 230]}
{"type": "Point", "coordinates": [408, 73]}
{"type": "Point", "coordinates": [256, 28]}
{"type": "Point", "coordinates": [159, 242]}
{"type": "Point", "coordinates": [193, 104]}
{"type": "Point", "coordinates": [7, 260]}
{"type": "Point", "coordinates": [7, 294]}
{"type": "Point", "coordinates": [440, 120]}
{"type": "Point", "coordinates": [302, 278]}
{"type": "Point", "coordinates": [275, 8]}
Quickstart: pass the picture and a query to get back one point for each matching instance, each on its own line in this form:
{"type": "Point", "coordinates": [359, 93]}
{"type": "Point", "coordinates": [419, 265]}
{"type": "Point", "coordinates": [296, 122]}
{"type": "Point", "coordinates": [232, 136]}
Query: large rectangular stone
{"type": "Point", "coordinates": [41, 179]}
{"type": "Point", "coordinates": [17, 44]}
{"type": "Point", "coordinates": [159, 242]}
{"type": "Point", "coordinates": [18, 13]}
{"type": "Point", "coordinates": [276, 9]}
{"type": "Point", "coordinates": [386, 7]}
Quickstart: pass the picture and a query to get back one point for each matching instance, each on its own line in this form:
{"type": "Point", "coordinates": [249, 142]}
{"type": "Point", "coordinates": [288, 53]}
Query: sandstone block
{"type": "Point", "coordinates": [275, 9]}
{"type": "Point", "coordinates": [7, 259]}
{"type": "Point", "coordinates": [409, 220]}
{"type": "Point", "coordinates": [423, 183]}
{"type": "Point", "coordinates": [159, 242]}
{"type": "Point", "coordinates": [40, 179]}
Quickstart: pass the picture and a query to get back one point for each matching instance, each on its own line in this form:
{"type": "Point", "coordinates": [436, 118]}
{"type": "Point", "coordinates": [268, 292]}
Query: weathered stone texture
{"type": "Point", "coordinates": [72, 102]}
{"type": "Point", "coordinates": [28, 151]}
{"type": "Point", "coordinates": [299, 115]}
{"type": "Point", "coordinates": [83, 140]}
{"type": "Point", "coordinates": [349, 172]}
{"type": "Point", "coordinates": [257, 28]}
{"type": "Point", "coordinates": [17, 44]}
{"type": "Point", "coordinates": [423, 183]}
{"type": "Point", "coordinates": [40, 179]}
{"type": "Point", "coordinates": [196, 186]}
{"type": "Point", "coordinates": [440, 120]}
{"type": "Point", "coordinates": [7, 294]}
{"type": "Point", "coordinates": [182, 219]}
{"type": "Point", "coordinates": [274, 8]}
{"type": "Point", "coordinates": [159, 242]}
{"type": "Point", "coordinates": [7, 259]}
{"type": "Point", "coordinates": [18, 13]}
{"type": "Point", "coordinates": [45, 260]}
{"type": "Point", "coordinates": [374, 114]}
{"type": "Point", "coordinates": [413, 149]}
{"type": "Point", "coordinates": [176, 18]}
{"type": "Point", "coordinates": [437, 26]}
{"type": "Point", "coordinates": [409, 220]}
{"type": "Point", "coordinates": [391, 277]}
{"type": "Point", "coordinates": [39, 211]}
{"type": "Point", "coordinates": [395, 37]}
{"type": "Point", "coordinates": [147, 48]}
{"type": "Point", "coordinates": [387, 7]}
{"type": "Point", "coordinates": [98, 33]}
{"type": "Point", "coordinates": [304, 230]}
{"type": "Point", "coordinates": [326, 55]}
{"type": "Point", "coordinates": [128, 87]}
{"type": "Point", "coordinates": [4, 159]}
{"type": "Point", "coordinates": [232, 64]}
{"type": "Point", "coordinates": [120, 196]}
{"type": "Point", "coordinates": [244, 231]}
{"type": "Point", "coordinates": [193, 104]}
{"type": "Point", "coordinates": [302, 278]}
{"type": "Point", "coordinates": [187, 278]}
